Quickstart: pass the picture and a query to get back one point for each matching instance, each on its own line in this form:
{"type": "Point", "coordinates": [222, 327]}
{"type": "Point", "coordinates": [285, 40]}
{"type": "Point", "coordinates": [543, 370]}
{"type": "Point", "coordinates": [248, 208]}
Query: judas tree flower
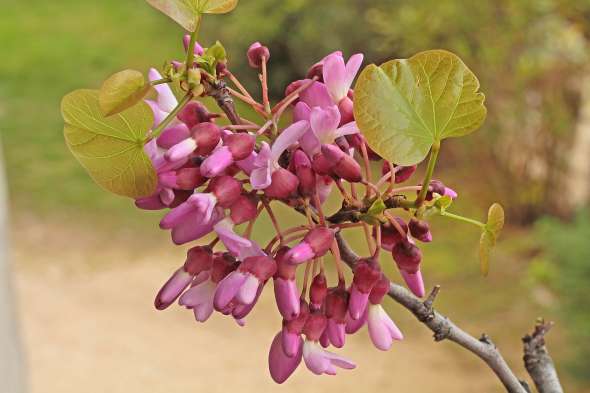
{"type": "Point", "coordinates": [195, 113]}
{"type": "Point", "coordinates": [408, 257]}
{"type": "Point", "coordinates": [366, 274]}
{"type": "Point", "coordinates": [165, 102]}
{"type": "Point", "coordinates": [343, 165]}
{"type": "Point", "coordinates": [257, 53]}
{"type": "Point", "coordinates": [382, 329]}
{"type": "Point", "coordinates": [292, 330]}
{"type": "Point", "coordinates": [318, 292]}
{"type": "Point", "coordinates": [236, 147]}
{"type": "Point", "coordinates": [204, 137]}
{"type": "Point", "coordinates": [280, 365]}
{"type": "Point", "coordinates": [199, 297]}
{"type": "Point", "coordinates": [437, 187]}
{"type": "Point", "coordinates": [244, 283]}
{"type": "Point", "coordinates": [319, 361]}
{"type": "Point", "coordinates": [354, 325]}
{"type": "Point", "coordinates": [238, 246]}
{"type": "Point", "coordinates": [192, 219]}
{"type": "Point", "coordinates": [390, 236]}
{"type": "Point", "coordinates": [199, 259]}
{"type": "Point", "coordinates": [336, 309]}
{"type": "Point", "coordinates": [339, 76]}
{"type": "Point", "coordinates": [315, 244]}
{"type": "Point", "coordinates": [402, 173]}
{"type": "Point", "coordinates": [285, 287]}
{"type": "Point", "coordinates": [324, 126]}
{"type": "Point", "coordinates": [301, 166]}
{"type": "Point", "coordinates": [198, 49]}
{"type": "Point", "coordinates": [266, 166]}
{"type": "Point", "coordinates": [419, 229]}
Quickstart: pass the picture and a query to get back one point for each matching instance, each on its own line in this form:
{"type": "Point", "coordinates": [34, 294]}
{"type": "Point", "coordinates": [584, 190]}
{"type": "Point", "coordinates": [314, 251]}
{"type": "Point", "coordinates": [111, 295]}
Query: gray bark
{"type": "Point", "coordinates": [11, 358]}
{"type": "Point", "coordinates": [537, 361]}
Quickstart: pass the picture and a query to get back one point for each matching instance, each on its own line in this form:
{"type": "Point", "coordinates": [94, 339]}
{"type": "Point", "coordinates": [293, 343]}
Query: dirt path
{"type": "Point", "coordinates": [94, 330]}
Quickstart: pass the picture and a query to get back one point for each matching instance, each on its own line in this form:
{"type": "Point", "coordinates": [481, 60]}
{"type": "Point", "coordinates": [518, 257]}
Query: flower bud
{"type": "Point", "coordinates": [315, 244]}
{"type": "Point", "coordinates": [285, 288]}
{"type": "Point", "coordinates": [257, 53]}
{"type": "Point", "coordinates": [390, 236]}
{"type": "Point", "coordinates": [318, 291]}
{"type": "Point", "coordinates": [316, 71]}
{"type": "Point", "coordinates": [295, 327]}
{"type": "Point", "coordinates": [207, 135]}
{"type": "Point", "coordinates": [407, 256]}
{"type": "Point", "coordinates": [198, 49]}
{"type": "Point", "coordinates": [346, 108]}
{"type": "Point", "coordinates": [336, 310]}
{"type": "Point", "coordinates": [402, 173]}
{"type": "Point", "coordinates": [284, 269]}
{"type": "Point", "coordinates": [198, 259]}
{"type": "Point", "coordinates": [414, 281]}
{"type": "Point", "coordinates": [226, 189]}
{"type": "Point", "coordinates": [194, 113]}
{"type": "Point", "coordinates": [366, 275]}
{"type": "Point", "coordinates": [172, 136]}
{"type": "Point", "coordinates": [283, 184]}
{"type": "Point", "coordinates": [420, 230]}
{"type": "Point", "coordinates": [292, 87]}
{"type": "Point", "coordinates": [172, 289]}
{"type": "Point", "coordinates": [302, 168]}
{"type": "Point", "coordinates": [240, 145]}
{"type": "Point", "coordinates": [321, 165]}
{"type": "Point", "coordinates": [345, 166]}
{"type": "Point", "coordinates": [243, 210]}
{"type": "Point", "coordinates": [223, 264]}
{"type": "Point", "coordinates": [189, 178]}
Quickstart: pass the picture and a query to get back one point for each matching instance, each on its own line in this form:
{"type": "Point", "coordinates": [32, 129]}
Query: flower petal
{"type": "Point", "coordinates": [280, 365]}
{"type": "Point", "coordinates": [288, 137]}
{"type": "Point", "coordinates": [324, 122]}
{"type": "Point", "coordinates": [166, 99]}
{"type": "Point", "coordinates": [316, 95]}
{"type": "Point", "coordinates": [228, 288]}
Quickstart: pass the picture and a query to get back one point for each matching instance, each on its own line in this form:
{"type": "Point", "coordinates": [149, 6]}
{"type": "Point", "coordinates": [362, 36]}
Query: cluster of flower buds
{"type": "Point", "coordinates": [215, 177]}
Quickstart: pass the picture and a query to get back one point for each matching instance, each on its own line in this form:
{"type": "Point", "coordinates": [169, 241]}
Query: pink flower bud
{"type": "Point", "coordinates": [226, 189]}
{"type": "Point", "coordinates": [195, 113]}
{"type": "Point", "coordinates": [345, 166]}
{"type": "Point", "coordinates": [281, 365]}
{"type": "Point", "coordinates": [315, 244]}
{"type": "Point", "coordinates": [414, 281]}
{"type": "Point", "coordinates": [240, 145]}
{"type": "Point", "coordinates": [315, 325]}
{"type": "Point", "coordinates": [284, 269]}
{"type": "Point", "coordinates": [366, 274]}
{"type": "Point", "coordinates": [198, 49]}
{"type": "Point", "coordinates": [283, 184]}
{"type": "Point", "coordinates": [257, 54]}
{"type": "Point", "coordinates": [207, 135]}
{"type": "Point", "coordinates": [172, 136]}
{"type": "Point", "coordinates": [390, 236]}
{"type": "Point", "coordinates": [321, 165]}
{"type": "Point", "coordinates": [243, 210]}
{"type": "Point", "coordinates": [217, 163]}
{"type": "Point", "coordinates": [407, 256]}
{"type": "Point", "coordinates": [316, 71]}
{"type": "Point", "coordinates": [336, 309]}
{"type": "Point", "coordinates": [402, 173]}
{"type": "Point", "coordinates": [172, 289]}
{"type": "Point", "coordinates": [306, 176]}
{"type": "Point", "coordinates": [189, 178]}
{"type": "Point", "coordinates": [223, 264]}
{"type": "Point", "coordinates": [262, 267]}
{"type": "Point", "coordinates": [346, 108]}
{"type": "Point", "coordinates": [420, 230]}
{"type": "Point", "coordinates": [318, 291]}
{"type": "Point", "coordinates": [292, 87]}
{"type": "Point", "coordinates": [198, 259]}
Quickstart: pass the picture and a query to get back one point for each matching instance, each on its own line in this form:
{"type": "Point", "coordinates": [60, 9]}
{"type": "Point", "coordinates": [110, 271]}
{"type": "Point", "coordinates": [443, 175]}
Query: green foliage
{"type": "Point", "coordinates": [405, 106]}
{"type": "Point", "coordinates": [567, 247]}
{"type": "Point", "coordinates": [110, 149]}
{"type": "Point", "coordinates": [187, 12]}
{"type": "Point", "coordinates": [490, 235]}
{"type": "Point", "coordinates": [121, 91]}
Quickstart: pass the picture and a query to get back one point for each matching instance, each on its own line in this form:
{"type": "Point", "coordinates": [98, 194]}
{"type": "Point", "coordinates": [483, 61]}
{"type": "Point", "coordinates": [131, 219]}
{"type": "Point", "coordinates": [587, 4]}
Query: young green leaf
{"type": "Point", "coordinates": [490, 236]}
{"type": "Point", "coordinates": [121, 91]}
{"type": "Point", "coordinates": [110, 148]}
{"type": "Point", "coordinates": [404, 106]}
{"type": "Point", "coordinates": [187, 12]}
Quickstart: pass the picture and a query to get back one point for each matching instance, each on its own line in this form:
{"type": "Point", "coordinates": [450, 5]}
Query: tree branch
{"type": "Point", "coordinates": [219, 91]}
{"type": "Point", "coordinates": [537, 361]}
{"type": "Point", "coordinates": [443, 328]}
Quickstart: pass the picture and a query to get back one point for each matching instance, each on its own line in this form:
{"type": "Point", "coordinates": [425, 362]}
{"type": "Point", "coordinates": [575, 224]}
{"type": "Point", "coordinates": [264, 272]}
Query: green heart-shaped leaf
{"type": "Point", "coordinates": [121, 91]}
{"type": "Point", "coordinates": [110, 148]}
{"type": "Point", "coordinates": [404, 106]}
{"type": "Point", "coordinates": [187, 12]}
{"type": "Point", "coordinates": [490, 235]}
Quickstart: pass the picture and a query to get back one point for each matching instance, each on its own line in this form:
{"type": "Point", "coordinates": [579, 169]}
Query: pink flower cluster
{"type": "Point", "coordinates": [213, 178]}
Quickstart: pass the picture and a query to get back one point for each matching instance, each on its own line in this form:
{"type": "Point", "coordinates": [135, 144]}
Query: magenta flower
{"type": "Point", "coordinates": [266, 162]}
{"type": "Point", "coordinates": [238, 246]}
{"type": "Point", "coordinates": [319, 361]}
{"type": "Point", "coordinates": [192, 219]}
{"type": "Point", "coordinates": [315, 244]}
{"type": "Point", "coordinates": [339, 76]}
{"type": "Point", "coordinates": [199, 297]}
{"type": "Point", "coordinates": [366, 274]}
{"type": "Point", "coordinates": [165, 102]}
{"type": "Point", "coordinates": [285, 287]}
{"type": "Point", "coordinates": [281, 365]}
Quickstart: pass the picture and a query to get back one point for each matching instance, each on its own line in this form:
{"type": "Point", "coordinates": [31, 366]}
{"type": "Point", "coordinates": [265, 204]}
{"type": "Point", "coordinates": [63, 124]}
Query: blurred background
{"type": "Point", "coordinates": [86, 264]}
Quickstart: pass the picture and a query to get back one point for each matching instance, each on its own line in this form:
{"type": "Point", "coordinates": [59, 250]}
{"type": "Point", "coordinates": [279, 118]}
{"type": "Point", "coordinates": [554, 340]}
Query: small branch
{"type": "Point", "coordinates": [220, 92]}
{"type": "Point", "coordinates": [537, 361]}
{"type": "Point", "coordinates": [443, 328]}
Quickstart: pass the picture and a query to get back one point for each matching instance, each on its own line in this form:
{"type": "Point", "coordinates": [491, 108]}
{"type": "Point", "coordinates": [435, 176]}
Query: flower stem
{"type": "Point", "coordinates": [428, 176]}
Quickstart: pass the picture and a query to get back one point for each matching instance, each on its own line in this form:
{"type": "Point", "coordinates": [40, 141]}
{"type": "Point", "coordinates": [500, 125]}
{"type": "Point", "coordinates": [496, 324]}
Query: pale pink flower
{"type": "Point", "coordinates": [319, 361]}
{"type": "Point", "coordinates": [339, 76]}
{"type": "Point", "coordinates": [382, 329]}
